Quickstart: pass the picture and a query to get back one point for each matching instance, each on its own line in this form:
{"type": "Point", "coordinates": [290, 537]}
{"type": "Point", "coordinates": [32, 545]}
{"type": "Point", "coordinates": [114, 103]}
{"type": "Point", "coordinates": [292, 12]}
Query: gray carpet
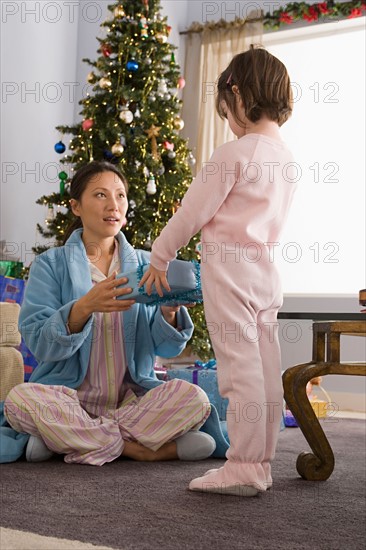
{"type": "Point", "coordinates": [144, 506]}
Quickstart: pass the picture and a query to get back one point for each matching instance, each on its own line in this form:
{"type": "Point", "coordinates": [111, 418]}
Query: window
{"type": "Point", "coordinates": [322, 249]}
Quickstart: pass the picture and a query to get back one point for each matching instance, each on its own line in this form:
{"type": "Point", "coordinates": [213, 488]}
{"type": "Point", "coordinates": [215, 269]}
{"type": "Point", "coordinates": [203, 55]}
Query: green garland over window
{"type": "Point", "coordinates": [291, 13]}
{"type": "Point", "coordinates": [301, 11]}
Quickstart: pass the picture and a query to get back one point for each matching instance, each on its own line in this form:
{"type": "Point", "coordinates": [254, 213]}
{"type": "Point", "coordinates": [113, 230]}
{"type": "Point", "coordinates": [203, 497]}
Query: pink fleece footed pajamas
{"type": "Point", "coordinates": [240, 201]}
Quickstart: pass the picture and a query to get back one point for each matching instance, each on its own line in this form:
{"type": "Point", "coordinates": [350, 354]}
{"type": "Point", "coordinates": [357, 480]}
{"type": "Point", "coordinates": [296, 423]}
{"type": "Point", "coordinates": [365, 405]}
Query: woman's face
{"type": "Point", "coordinates": [103, 206]}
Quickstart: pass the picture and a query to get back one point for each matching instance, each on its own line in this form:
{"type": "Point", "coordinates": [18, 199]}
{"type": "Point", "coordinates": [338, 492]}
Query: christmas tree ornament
{"type": "Point", "coordinates": [119, 12]}
{"type": "Point", "coordinates": [132, 204]}
{"type": "Point", "coordinates": [148, 244]}
{"type": "Point", "coordinates": [161, 170]}
{"type": "Point", "coordinates": [151, 186]}
{"type": "Point", "coordinates": [105, 83]}
{"type": "Point", "coordinates": [167, 97]}
{"type": "Point", "coordinates": [162, 87]}
{"type": "Point", "coordinates": [146, 172]}
{"type": "Point", "coordinates": [132, 66]}
{"type": "Point", "coordinates": [160, 37]}
{"type": "Point", "coordinates": [181, 82]}
{"type": "Point", "coordinates": [172, 154]}
{"type": "Point", "coordinates": [60, 147]}
{"type": "Point", "coordinates": [152, 133]}
{"type": "Point", "coordinates": [191, 160]}
{"type": "Point", "coordinates": [168, 29]}
{"type": "Point", "coordinates": [148, 61]}
{"type": "Point", "coordinates": [117, 149]}
{"type": "Point", "coordinates": [172, 59]}
{"type": "Point", "coordinates": [152, 98]}
{"type": "Point", "coordinates": [168, 146]}
{"type": "Point", "coordinates": [63, 177]}
{"type": "Point", "coordinates": [126, 115]}
{"type": "Point", "coordinates": [91, 77]}
{"type": "Point", "coordinates": [108, 155]}
{"type": "Point", "coordinates": [106, 50]}
{"type": "Point", "coordinates": [178, 123]}
{"type": "Point", "coordinates": [175, 207]}
{"type": "Point", "coordinates": [137, 113]}
{"type": "Point", "coordinates": [87, 124]}
{"type": "Point", "coordinates": [123, 140]}
{"type": "Point", "coordinates": [50, 214]}
{"type": "Point", "coordinates": [144, 33]}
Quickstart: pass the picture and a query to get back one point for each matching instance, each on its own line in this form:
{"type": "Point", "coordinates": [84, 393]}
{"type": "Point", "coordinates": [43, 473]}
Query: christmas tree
{"type": "Point", "coordinates": [131, 117]}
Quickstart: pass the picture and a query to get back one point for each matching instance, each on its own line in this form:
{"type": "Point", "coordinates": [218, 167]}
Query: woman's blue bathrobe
{"type": "Point", "coordinates": [59, 277]}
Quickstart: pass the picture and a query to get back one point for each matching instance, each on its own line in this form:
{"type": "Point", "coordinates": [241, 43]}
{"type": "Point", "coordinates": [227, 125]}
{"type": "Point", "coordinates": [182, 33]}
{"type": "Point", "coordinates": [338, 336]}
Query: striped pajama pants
{"type": "Point", "coordinates": [56, 414]}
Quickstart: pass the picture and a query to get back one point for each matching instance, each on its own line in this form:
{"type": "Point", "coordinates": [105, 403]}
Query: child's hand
{"type": "Point", "coordinates": [154, 276]}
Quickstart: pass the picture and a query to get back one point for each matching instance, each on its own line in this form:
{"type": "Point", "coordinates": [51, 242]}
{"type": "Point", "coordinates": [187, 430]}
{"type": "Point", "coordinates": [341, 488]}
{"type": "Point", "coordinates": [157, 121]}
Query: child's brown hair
{"type": "Point", "coordinates": [263, 83]}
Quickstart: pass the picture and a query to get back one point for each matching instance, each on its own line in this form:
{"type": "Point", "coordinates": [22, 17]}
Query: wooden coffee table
{"type": "Point", "coordinates": [327, 331]}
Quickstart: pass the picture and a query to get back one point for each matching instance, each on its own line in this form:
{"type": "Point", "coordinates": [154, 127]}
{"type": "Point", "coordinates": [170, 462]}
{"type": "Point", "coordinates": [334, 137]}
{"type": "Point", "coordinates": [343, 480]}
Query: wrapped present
{"type": "Point", "coordinates": [205, 376]}
{"type": "Point", "coordinates": [11, 269]}
{"type": "Point", "coordinates": [11, 289]}
{"type": "Point", "coordinates": [28, 359]}
{"type": "Point", "coordinates": [184, 279]}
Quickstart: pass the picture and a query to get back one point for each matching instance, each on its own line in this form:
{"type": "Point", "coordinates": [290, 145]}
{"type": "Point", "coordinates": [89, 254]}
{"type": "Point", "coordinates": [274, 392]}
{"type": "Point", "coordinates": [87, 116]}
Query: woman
{"type": "Point", "coordinates": [94, 396]}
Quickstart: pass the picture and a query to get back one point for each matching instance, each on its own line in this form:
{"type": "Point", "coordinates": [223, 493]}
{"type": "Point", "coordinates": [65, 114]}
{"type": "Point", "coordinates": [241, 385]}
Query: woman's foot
{"type": "Point", "coordinates": [192, 445]}
{"type": "Point", "coordinates": [36, 450]}
{"type": "Point", "coordinates": [195, 445]}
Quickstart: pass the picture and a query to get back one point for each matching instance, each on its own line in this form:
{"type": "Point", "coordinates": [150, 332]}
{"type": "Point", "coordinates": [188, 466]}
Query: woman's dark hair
{"type": "Point", "coordinates": [263, 84]}
{"type": "Point", "coordinates": [80, 181]}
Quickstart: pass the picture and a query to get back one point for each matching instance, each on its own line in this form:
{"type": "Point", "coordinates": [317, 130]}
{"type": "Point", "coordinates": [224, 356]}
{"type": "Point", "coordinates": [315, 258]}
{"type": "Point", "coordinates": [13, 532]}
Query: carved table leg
{"type": "Point", "coordinates": [320, 465]}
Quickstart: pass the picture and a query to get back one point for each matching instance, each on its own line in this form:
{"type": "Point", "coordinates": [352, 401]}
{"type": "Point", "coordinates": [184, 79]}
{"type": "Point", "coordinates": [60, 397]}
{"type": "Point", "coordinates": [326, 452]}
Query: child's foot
{"type": "Point", "coordinates": [230, 480]}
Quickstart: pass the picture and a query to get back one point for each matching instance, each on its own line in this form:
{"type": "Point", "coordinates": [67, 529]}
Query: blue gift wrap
{"type": "Point", "coordinates": [203, 375]}
{"type": "Point", "coordinates": [184, 278]}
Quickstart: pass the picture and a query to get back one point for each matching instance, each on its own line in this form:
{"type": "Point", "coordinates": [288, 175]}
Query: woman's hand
{"type": "Point", "coordinates": [154, 276]}
{"type": "Point", "coordinates": [100, 298]}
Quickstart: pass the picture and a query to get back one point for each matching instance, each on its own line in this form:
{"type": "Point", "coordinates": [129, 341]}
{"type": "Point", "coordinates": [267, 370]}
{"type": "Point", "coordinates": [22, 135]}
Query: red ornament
{"type": "Point", "coordinates": [106, 50]}
{"type": "Point", "coordinates": [169, 29]}
{"type": "Point", "coordinates": [181, 82]}
{"type": "Point", "coordinates": [168, 146]}
{"type": "Point", "coordinates": [87, 124]}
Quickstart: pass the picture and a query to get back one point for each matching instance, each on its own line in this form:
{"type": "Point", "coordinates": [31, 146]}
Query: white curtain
{"type": "Point", "coordinates": [207, 54]}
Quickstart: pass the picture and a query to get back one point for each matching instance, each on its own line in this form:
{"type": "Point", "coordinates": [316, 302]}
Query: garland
{"type": "Point", "coordinates": [291, 13]}
{"type": "Point", "coordinates": [315, 12]}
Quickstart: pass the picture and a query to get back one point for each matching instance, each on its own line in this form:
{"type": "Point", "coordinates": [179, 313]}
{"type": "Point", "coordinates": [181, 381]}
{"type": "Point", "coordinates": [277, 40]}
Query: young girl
{"type": "Point", "coordinates": [240, 201]}
{"type": "Point", "coordinates": [94, 395]}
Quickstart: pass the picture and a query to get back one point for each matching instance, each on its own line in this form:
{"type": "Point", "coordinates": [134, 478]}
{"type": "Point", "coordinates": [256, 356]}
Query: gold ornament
{"type": "Point", "coordinates": [178, 123]}
{"type": "Point", "coordinates": [160, 37]}
{"type": "Point", "coordinates": [105, 83]}
{"type": "Point", "coordinates": [117, 149]}
{"type": "Point", "coordinates": [152, 133]}
{"type": "Point", "coordinates": [91, 77]}
{"type": "Point", "coordinates": [119, 12]}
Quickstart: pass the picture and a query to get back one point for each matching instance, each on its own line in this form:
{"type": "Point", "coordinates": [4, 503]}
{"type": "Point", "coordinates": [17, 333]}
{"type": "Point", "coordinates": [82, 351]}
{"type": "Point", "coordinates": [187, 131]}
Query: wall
{"type": "Point", "coordinates": [38, 67]}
